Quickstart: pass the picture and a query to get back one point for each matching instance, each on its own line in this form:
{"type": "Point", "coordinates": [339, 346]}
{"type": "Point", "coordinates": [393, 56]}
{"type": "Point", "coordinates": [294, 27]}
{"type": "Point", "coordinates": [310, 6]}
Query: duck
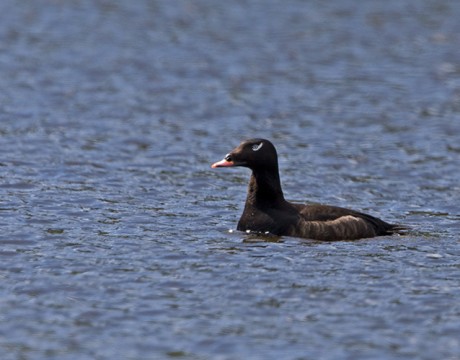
{"type": "Point", "coordinates": [267, 211]}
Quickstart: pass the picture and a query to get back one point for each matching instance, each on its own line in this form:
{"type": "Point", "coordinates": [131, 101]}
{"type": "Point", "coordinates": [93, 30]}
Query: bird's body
{"type": "Point", "coordinates": [266, 209]}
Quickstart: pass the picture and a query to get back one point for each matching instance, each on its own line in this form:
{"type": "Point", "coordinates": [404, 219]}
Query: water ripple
{"type": "Point", "coordinates": [118, 240]}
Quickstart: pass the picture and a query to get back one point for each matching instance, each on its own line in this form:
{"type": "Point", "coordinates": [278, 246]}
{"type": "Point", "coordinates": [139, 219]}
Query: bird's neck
{"type": "Point", "coordinates": [265, 188]}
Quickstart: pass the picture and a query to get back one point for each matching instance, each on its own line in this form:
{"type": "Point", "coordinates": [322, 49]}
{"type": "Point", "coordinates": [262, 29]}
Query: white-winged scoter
{"type": "Point", "coordinates": [266, 210]}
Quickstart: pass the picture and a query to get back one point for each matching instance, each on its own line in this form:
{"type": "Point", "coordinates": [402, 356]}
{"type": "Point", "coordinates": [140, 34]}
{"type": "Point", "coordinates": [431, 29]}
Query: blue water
{"type": "Point", "coordinates": [118, 241]}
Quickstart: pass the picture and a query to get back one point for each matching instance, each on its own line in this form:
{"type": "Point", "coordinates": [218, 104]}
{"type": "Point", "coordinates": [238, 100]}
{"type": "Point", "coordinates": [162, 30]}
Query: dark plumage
{"type": "Point", "coordinates": [266, 210]}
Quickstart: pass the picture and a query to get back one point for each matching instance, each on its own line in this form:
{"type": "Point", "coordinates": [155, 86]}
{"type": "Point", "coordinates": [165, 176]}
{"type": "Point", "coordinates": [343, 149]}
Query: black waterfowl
{"type": "Point", "coordinates": [266, 210]}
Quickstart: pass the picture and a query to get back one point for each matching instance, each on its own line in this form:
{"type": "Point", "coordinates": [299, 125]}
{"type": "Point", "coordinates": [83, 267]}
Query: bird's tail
{"type": "Point", "coordinates": [398, 229]}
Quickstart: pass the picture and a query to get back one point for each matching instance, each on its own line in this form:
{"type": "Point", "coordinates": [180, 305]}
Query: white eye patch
{"type": "Point", "coordinates": [257, 147]}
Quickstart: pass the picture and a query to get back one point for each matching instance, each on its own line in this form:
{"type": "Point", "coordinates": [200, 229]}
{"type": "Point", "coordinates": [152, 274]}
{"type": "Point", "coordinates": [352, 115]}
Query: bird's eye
{"type": "Point", "coordinates": [228, 157]}
{"type": "Point", "coordinates": [257, 147]}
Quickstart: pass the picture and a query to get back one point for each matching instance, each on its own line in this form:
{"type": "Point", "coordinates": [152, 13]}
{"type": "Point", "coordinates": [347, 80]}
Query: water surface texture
{"type": "Point", "coordinates": [115, 240]}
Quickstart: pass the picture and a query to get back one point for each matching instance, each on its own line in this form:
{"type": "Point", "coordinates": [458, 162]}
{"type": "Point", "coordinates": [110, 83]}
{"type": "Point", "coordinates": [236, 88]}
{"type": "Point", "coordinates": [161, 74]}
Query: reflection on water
{"type": "Point", "coordinates": [115, 231]}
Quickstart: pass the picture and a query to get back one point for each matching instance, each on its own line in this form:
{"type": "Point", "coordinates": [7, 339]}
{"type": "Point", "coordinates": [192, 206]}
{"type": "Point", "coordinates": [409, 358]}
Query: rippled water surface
{"type": "Point", "coordinates": [115, 238]}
